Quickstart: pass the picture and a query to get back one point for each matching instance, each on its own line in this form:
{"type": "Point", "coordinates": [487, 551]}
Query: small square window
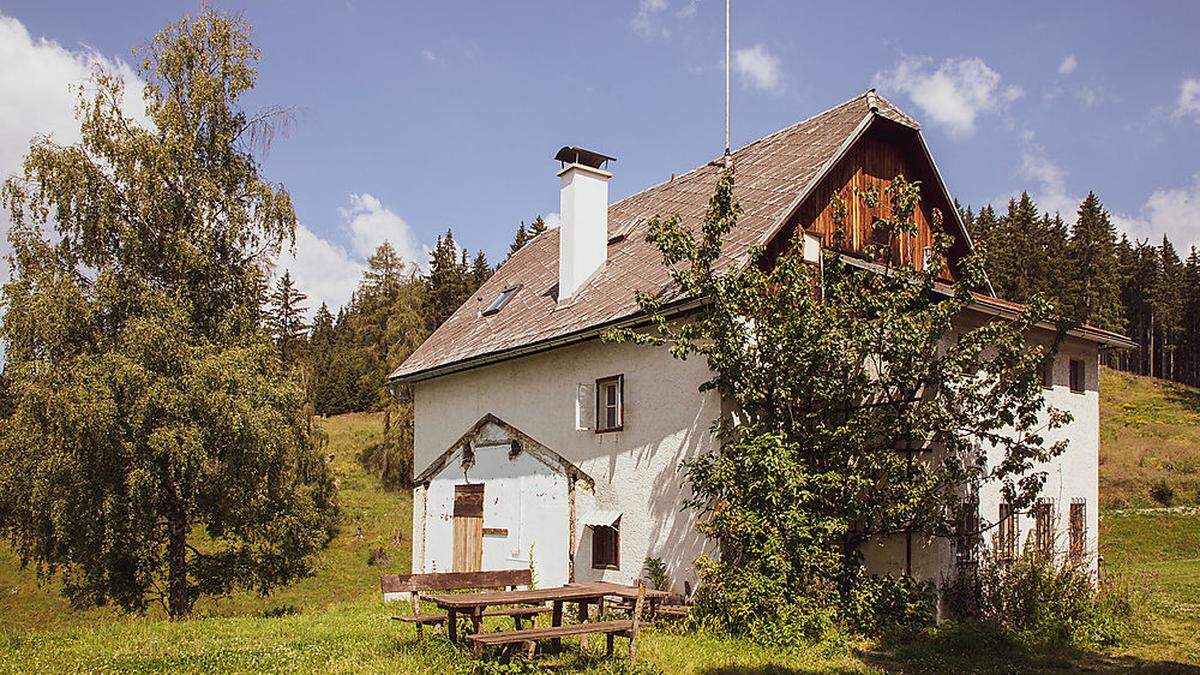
{"type": "Point", "coordinates": [1078, 373]}
{"type": "Point", "coordinates": [610, 404]}
{"type": "Point", "coordinates": [1046, 370]}
{"type": "Point", "coordinates": [606, 546]}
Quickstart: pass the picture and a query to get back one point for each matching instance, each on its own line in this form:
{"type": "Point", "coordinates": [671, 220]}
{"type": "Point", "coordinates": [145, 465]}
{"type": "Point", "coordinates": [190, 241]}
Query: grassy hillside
{"type": "Point", "coordinates": [1149, 433]}
{"type": "Point", "coordinates": [371, 518]}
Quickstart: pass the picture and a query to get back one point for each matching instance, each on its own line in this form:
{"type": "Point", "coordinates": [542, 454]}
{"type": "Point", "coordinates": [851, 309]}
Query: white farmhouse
{"type": "Point", "coordinates": [536, 443]}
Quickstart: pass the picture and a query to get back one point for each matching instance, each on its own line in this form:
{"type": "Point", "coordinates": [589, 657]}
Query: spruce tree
{"type": "Point", "coordinates": [1167, 300]}
{"type": "Point", "coordinates": [537, 227]}
{"type": "Point", "coordinates": [285, 318]}
{"type": "Point", "coordinates": [1094, 288]}
{"type": "Point", "coordinates": [519, 240]}
{"type": "Point", "coordinates": [448, 284]}
{"type": "Point", "coordinates": [480, 271]}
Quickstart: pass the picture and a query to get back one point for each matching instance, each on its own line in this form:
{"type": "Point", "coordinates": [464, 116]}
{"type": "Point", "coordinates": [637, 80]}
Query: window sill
{"type": "Point", "coordinates": [614, 568]}
{"type": "Point", "coordinates": [610, 430]}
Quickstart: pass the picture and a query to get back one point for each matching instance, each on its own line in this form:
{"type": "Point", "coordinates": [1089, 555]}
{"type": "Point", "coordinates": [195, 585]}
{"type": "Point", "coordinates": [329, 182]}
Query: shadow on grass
{"type": "Point", "coordinates": [978, 649]}
{"type": "Point", "coordinates": [1184, 396]}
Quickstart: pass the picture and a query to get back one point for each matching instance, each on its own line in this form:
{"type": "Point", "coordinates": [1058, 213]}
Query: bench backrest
{"type": "Point", "coordinates": [454, 581]}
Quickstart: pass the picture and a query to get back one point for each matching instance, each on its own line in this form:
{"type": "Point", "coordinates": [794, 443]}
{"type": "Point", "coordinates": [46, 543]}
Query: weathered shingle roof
{"type": "Point", "coordinates": [772, 173]}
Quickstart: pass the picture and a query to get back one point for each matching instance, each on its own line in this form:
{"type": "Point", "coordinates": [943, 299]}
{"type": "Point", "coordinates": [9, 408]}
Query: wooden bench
{"type": "Point", "coordinates": [415, 584]}
{"type": "Point", "coordinates": [531, 636]}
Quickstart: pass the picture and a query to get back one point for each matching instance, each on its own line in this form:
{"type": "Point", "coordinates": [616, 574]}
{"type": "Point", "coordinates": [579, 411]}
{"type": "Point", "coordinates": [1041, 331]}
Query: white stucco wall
{"type": "Point", "coordinates": [635, 470]}
{"type": "Point", "coordinates": [1075, 473]}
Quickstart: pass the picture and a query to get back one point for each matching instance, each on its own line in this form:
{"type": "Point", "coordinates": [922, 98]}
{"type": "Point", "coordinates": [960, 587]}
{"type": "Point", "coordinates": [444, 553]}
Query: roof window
{"type": "Point", "coordinates": [501, 300]}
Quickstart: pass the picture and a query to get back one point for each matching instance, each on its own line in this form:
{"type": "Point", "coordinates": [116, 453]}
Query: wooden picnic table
{"type": "Point", "coordinates": [473, 604]}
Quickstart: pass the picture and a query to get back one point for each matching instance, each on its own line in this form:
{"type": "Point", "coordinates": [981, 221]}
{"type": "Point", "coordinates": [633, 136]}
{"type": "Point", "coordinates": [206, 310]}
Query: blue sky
{"type": "Point", "coordinates": [415, 117]}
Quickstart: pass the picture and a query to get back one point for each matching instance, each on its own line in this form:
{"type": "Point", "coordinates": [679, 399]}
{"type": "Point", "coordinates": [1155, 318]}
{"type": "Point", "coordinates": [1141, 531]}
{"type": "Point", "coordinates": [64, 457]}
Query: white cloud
{"type": "Point", "coordinates": [429, 56]}
{"type": "Point", "coordinates": [688, 10]}
{"type": "Point", "coordinates": [1188, 104]}
{"type": "Point", "coordinates": [35, 76]}
{"type": "Point", "coordinates": [954, 94]}
{"type": "Point", "coordinates": [324, 271]}
{"type": "Point", "coordinates": [760, 68]}
{"type": "Point", "coordinates": [645, 21]}
{"type": "Point", "coordinates": [328, 272]}
{"type": "Point", "coordinates": [1049, 189]}
{"type": "Point", "coordinates": [1068, 65]}
{"type": "Point", "coordinates": [1088, 96]}
{"type": "Point", "coordinates": [369, 223]}
{"type": "Point", "coordinates": [552, 220]}
{"type": "Point", "coordinates": [1167, 211]}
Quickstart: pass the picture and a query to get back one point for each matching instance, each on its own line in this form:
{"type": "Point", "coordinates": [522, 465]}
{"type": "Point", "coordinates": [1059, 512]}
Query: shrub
{"type": "Point", "coordinates": [1162, 492]}
{"type": "Point", "coordinates": [1041, 599]}
{"type": "Point", "coordinates": [656, 572]}
{"type": "Point", "coordinates": [876, 604]}
{"type": "Point", "coordinates": [378, 557]}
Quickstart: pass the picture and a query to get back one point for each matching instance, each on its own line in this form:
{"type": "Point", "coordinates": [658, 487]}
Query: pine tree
{"type": "Point", "coordinates": [285, 318]}
{"type": "Point", "coordinates": [385, 268]}
{"type": "Point", "coordinates": [1167, 301]}
{"type": "Point", "coordinates": [448, 284]}
{"type": "Point", "coordinates": [519, 240]}
{"type": "Point", "coordinates": [1189, 348]}
{"type": "Point", "coordinates": [1093, 286]}
{"type": "Point", "coordinates": [480, 271]}
{"type": "Point", "coordinates": [537, 227]}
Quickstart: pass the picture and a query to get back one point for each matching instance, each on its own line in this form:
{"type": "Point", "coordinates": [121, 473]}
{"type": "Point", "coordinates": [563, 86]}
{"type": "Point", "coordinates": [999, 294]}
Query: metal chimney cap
{"type": "Point", "coordinates": [572, 155]}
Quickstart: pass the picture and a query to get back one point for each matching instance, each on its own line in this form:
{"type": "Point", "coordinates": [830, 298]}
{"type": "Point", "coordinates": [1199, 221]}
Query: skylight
{"type": "Point", "coordinates": [501, 300]}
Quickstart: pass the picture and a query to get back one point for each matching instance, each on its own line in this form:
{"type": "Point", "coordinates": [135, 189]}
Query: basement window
{"type": "Point", "coordinates": [1077, 376]}
{"type": "Point", "coordinates": [1007, 535]}
{"type": "Point", "coordinates": [501, 300]}
{"type": "Point", "coordinates": [1043, 525]}
{"type": "Point", "coordinates": [610, 403]}
{"type": "Point", "coordinates": [1078, 530]}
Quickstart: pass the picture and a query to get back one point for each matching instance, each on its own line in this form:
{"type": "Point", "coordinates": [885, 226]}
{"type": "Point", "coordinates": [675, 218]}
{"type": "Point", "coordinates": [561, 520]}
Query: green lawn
{"type": "Point", "coordinates": [335, 622]}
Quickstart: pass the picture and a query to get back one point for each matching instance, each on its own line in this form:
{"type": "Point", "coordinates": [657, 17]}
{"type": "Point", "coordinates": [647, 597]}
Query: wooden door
{"type": "Point", "coordinates": [468, 527]}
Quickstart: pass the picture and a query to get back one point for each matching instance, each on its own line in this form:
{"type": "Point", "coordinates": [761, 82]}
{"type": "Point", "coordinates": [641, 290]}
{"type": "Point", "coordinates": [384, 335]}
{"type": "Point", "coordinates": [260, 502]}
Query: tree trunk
{"type": "Point", "coordinates": [178, 604]}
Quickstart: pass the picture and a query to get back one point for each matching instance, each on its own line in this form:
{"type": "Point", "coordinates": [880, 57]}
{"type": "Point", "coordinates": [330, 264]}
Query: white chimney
{"type": "Point", "coordinates": [583, 217]}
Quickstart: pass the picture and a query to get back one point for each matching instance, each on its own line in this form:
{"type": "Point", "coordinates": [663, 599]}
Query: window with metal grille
{"type": "Point", "coordinates": [1006, 535]}
{"type": "Point", "coordinates": [1078, 529]}
{"type": "Point", "coordinates": [606, 546]}
{"type": "Point", "coordinates": [1043, 524]}
{"type": "Point", "coordinates": [1077, 376]}
{"type": "Point", "coordinates": [967, 536]}
{"type": "Point", "coordinates": [610, 404]}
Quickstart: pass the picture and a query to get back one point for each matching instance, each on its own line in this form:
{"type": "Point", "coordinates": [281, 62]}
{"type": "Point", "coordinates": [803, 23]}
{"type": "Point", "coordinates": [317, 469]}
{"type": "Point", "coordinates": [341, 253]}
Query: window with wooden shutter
{"type": "Point", "coordinates": [1078, 374]}
{"type": "Point", "coordinates": [1078, 530]}
{"type": "Point", "coordinates": [610, 404]}
{"type": "Point", "coordinates": [606, 546]}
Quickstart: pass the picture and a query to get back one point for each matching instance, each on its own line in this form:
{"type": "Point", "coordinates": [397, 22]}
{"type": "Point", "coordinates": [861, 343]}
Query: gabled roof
{"type": "Point", "coordinates": [773, 175]}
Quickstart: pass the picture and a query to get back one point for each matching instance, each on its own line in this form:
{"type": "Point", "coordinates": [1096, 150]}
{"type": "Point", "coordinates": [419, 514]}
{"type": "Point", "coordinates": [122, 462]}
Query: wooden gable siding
{"type": "Point", "coordinates": [873, 162]}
